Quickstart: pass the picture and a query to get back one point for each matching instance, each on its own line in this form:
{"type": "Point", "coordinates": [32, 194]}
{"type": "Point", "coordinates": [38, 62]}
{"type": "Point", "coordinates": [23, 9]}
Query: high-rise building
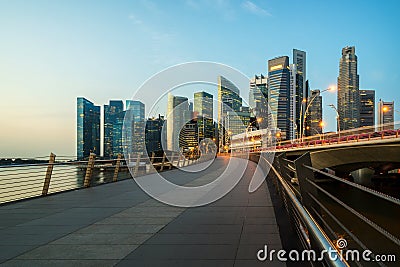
{"type": "Point", "coordinates": [153, 134]}
{"type": "Point", "coordinates": [367, 109]}
{"type": "Point", "coordinates": [134, 132]}
{"type": "Point", "coordinates": [279, 93]}
{"type": "Point", "coordinates": [314, 114]}
{"type": "Point", "coordinates": [348, 101]}
{"type": "Point", "coordinates": [385, 115]}
{"type": "Point", "coordinates": [88, 128]}
{"type": "Point", "coordinates": [188, 136]}
{"type": "Point", "coordinates": [178, 114]}
{"type": "Point", "coordinates": [236, 123]}
{"type": "Point", "coordinates": [228, 100]}
{"type": "Point", "coordinates": [203, 105]}
{"type": "Point", "coordinates": [117, 134]}
{"type": "Point", "coordinates": [299, 92]}
{"type": "Point", "coordinates": [258, 98]}
{"type": "Point", "coordinates": [112, 112]}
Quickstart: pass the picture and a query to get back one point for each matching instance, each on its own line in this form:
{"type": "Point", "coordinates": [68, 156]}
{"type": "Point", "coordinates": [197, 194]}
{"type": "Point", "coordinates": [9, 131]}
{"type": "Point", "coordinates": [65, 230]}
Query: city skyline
{"type": "Point", "coordinates": [79, 53]}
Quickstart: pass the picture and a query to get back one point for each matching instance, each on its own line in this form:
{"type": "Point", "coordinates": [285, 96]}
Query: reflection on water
{"type": "Point", "coordinates": [21, 182]}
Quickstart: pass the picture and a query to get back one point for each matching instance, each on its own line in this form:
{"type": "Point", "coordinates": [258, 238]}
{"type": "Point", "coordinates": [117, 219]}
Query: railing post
{"type": "Point", "coordinates": [162, 162]}
{"type": "Point", "coordinates": [116, 170]}
{"type": "Point", "coordinates": [178, 164]}
{"type": "Point", "coordinates": [137, 165]}
{"type": "Point", "coordinates": [49, 171]}
{"type": "Point", "coordinates": [171, 160]}
{"type": "Point", "coordinates": [89, 170]}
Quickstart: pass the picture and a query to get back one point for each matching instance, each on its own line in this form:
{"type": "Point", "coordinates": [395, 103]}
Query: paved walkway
{"type": "Point", "coordinates": [118, 224]}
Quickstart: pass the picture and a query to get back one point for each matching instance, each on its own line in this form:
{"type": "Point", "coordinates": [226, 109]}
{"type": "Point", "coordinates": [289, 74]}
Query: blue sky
{"type": "Point", "coordinates": [53, 51]}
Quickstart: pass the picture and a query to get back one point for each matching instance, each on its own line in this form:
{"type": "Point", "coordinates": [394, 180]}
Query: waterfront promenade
{"type": "Point", "coordinates": [118, 224]}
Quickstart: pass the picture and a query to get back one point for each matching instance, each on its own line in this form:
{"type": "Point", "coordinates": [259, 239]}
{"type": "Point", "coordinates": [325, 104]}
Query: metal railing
{"type": "Point", "coordinates": [326, 208]}
{"type": "Point", "coordinates": [58, 174]}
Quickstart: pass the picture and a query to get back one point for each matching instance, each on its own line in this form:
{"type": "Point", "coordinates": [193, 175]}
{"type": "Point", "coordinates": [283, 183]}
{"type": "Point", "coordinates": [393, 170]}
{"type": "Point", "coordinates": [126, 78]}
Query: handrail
{"type": "Point", "coordinates": [314, 229]}
{"type": "Point", "coordinates": [358, 186]}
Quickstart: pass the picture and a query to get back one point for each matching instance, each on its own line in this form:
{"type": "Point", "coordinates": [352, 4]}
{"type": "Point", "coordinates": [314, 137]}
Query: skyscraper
{"type": "Point", "coordinates": [367, 109]}
{"type": "Point", "coordinates": [314, 116]}
{"type": "Point", "coordinates": [178, 114]}
{"type": "Point", "coordinates": [153, 134]}
{"type": "Point", "coordinates": [203, 112]}
{"type": "Point", "coordinates": [112, 112]}
{"type": "Point", "coordinates": [258, 97]}
{"type": "Point", "coordinates": [88, 128]}
{"type": "Point", "coordinates": [135, 129]}
{"type": "Point", "coordinates": [203, 104]}
{"type": "Point", "coordinates": [348, 101]}
{"type": "Point", "coordinates": [117, 134]}
{"type": "Point", "coordinates": [299, 92]}
{"type": "Point", "coordinates": [228, 100]}
{"type": "Point", "coordinates": [188, 136]}
{"type": "Point", "coordinates": [279, 93]}
{"type": "Point", "coordinates": [385, 115]}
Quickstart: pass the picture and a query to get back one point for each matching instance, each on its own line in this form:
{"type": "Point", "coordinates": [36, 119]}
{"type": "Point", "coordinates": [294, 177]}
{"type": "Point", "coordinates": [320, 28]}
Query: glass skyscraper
{"type": "Point", "coordinates": [258, 99]}
{"type": "Point", "coordinates": [203, 113]}
{"type": "Point", "coordinates": [279, 93]}
{"type": "Point", "coordinates": [385, 115]}
{"type": "Point", "coordinates": [88, 128]}
{"type": "Point", "coordinates": [134, 132]}
{"type": "Point", "coordinates": [228, 100]}
{"type": "Point", "coordinates": [314, 117]}
{"type": "Point", "coordinates": [178, 114]}
{"type": "Point", "coordinates": [153, 134]}
{"type": "Point", "coordinates": [113, 115]}
{"type": "Point", "coordinates": [203, 104]}
{"type": "Point", "coordinates": [367, 110]}
{"type": "Point", "coordinates": [348, 101]}
{"type": "Point", "coordinates": [300, 92]}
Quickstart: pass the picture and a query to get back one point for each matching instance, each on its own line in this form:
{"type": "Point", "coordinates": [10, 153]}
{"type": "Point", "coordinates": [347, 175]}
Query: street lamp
{"type": "Point", "coordinates": [303, 120]}
{"type": "Point", "coordinates": [337, 117]}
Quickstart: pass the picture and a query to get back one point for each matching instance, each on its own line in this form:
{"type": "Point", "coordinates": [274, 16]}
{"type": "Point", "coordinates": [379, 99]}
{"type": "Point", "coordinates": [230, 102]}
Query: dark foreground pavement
{"type": "Point", "coordinates": [118, 224]}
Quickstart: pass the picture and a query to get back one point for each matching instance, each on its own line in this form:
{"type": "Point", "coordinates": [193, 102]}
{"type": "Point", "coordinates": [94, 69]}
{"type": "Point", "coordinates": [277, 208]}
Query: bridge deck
{"type": "Point", "coordinates": [118, 224]}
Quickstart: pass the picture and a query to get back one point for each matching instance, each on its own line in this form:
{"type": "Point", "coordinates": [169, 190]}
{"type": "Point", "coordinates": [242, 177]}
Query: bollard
{"type": "Point", "coordinates": [137, 165]}
{"type": "Point", "coordinates": [116, 170]}
{"type": "Point", "coordinates": [49, 171]}
{"type": "Point", "coordinates": [162, 162]}
{"type": "Point", "coordinates": [89, 170]}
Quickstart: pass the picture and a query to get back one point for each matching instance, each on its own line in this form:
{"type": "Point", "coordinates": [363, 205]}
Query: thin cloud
{"type": "Point", "coordinates": [253, 8]}
{"type": "Point", "coordinates": [134, 19]}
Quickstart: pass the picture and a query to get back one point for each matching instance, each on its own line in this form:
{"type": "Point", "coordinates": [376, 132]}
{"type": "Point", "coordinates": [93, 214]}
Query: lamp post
{"type": "Point", "coordinates": [303, 120]}
{"type": "Point", "coordinates": [337, 117]}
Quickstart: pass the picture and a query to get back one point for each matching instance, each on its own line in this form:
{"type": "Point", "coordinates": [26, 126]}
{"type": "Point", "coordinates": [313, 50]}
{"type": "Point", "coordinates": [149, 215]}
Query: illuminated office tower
{"type": "Point", "coordinates": [112, 112]}
{"type": "Point", "coordinates": [88, 128]}
{"type": "Point", "coordinates": [314, 116]}
{"type": "Point", "coordinates": [203, 113]}
{"type": "Point", "coordinates": [178, 113]}
{"type": "Point", "coordinates": [367, 109]}
{"type": "Point", "coordinates": [154, 134]}
{"type": "Point", "coordinates": [385, 115]}
{"type": "Point", "coordinates": [348, 97]}
{"type": "Point", "coordinates": [258, 99]}
{"type": "Point", "coordinates": [279, 93]}
{"type": "Point", "coordinates": [228, 100]}
{"type": "Point", "coordinates": [203, 104]}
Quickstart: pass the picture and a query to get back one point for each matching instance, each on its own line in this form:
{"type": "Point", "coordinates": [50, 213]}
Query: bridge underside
{"type": "Point", "coordinates": [348, 159]}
